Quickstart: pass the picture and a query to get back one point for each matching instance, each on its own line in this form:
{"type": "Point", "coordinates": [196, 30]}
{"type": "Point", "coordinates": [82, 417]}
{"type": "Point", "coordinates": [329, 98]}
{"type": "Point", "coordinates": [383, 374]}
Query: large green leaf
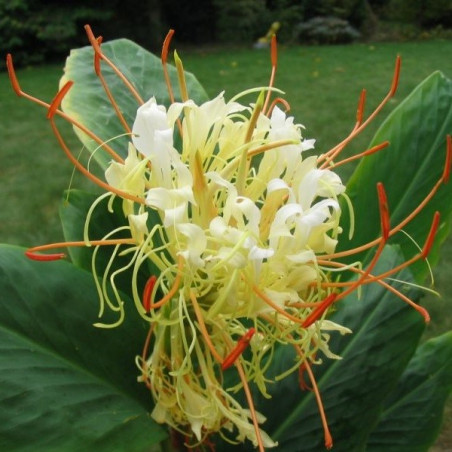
{"type": "Point", "coordinates": [409, 168]}
{"type": "Point", "coordinates": [385, 334]}
{"type": "Point", "coordinates": [412, 415]}
{"type": "Point", "coordinates": [87, 102]}
{"type": "Point", "coordinates": [64, 384]}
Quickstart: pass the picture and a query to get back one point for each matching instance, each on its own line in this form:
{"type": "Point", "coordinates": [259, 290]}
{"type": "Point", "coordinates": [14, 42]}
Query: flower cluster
{"type": "Point", "coordinates": [239, 219]}
{"type": "Point", "coordinates": [237, 248]}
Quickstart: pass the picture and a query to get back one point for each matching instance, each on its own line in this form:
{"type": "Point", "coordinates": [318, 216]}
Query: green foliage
{"type": "Point", "coordinates": [424, 13]}
{"type": "Point", "coordinates": [419, 394]}
{"type": "Point", "coordinates": [239, 21]}
{"type": "Point", "coordinates": [353, 11]}
{"type": "Point", "coordinates": [34, 32]}
{"type": "Point", "coordinates": [66, 385]}
{"type": "Point", "coordinates": [326, 30]}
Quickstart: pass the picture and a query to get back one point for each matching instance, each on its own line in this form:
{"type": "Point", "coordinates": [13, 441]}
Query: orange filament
{"type": "Point", "coordinates": [315, 389]}
{"type": "Point", "coordinates": [241, 346]}
{"type": "Point", "coordinates": [80, 126]}
{"type": "Point", "coordinates": [147, 293]}
{"type": "Point", "coordinates": [95, 44]}
{"type": "Point", "coordinates": [367, 278]}
{"type": "Point", "coordinates": [203, 329]}
{"type": "Point", "coordinates": [277, 308]}
{"type": "Point", "coordinates": [31, 253]}
{"type": "Point", "coordinates": [144, 354]}
{"type": "Point", "coordinates": [365, 153]}
{"type": "Point", "coordinates": [249, 399]}
{"type": "Point", "coordinates": [173, 289]}
{"type": "Point", "coordinates": [443, 179]}
{"type": "Point", "coordinates": [279, 100]}
{"type": "Point", "coordinates": [114, 104]}
{"type": "Point", "coordinates": [50, 115]}
{"type": "Point", "coordinates": [303, 385]}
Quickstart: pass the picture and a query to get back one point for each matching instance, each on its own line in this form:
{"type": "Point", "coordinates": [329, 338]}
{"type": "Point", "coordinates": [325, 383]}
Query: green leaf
{"type": "Point", "coordinates": [64, 384]}
{"type": "Point", "coordinates": [409, 169]}
{"type": "Point", "coordinates": [87, 102]}
{"type": "Point", "coordinates": [385, 334]}
{"type": "Point", "coordinates": [412, 415]}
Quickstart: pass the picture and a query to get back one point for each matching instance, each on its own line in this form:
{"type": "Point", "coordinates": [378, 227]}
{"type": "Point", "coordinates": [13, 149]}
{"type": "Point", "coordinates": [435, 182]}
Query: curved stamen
{"type": "Point", "coordinates": [442, 180]}
{"type": "Point", "coordinates": [32, 253]}
{"type": "Point", "coordinates": [51, 112]}
{"type": "Point", "coordinates": [240, 347]}
{"type": "Point", "coordinates": [95, 44]}
{"type": "Point", "coordinates": [78, 125]}
{"type": "Point", "coordinates": [361, 155]}
{"type": "Point", "coordinates": [114, 104]}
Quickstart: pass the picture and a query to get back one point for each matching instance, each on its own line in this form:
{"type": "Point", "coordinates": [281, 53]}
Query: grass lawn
{"type": "Point", "coordinates": [322, 84]}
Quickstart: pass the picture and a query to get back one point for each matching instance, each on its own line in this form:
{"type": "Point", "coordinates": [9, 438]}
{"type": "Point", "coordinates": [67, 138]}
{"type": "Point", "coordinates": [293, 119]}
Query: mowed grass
{"type": "Point", "coordinates": [322, 85]}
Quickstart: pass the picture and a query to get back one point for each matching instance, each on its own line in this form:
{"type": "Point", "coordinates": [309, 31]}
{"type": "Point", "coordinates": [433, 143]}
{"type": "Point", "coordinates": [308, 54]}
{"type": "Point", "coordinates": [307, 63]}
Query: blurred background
{"type": "Point", "coordinates": [44, 30]}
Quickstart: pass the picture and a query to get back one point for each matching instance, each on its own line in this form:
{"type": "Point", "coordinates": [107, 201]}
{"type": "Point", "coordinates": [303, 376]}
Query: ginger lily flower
{"type": "Point", "coordinates": [244, 247]}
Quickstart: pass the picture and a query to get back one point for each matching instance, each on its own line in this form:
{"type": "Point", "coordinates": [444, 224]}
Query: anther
{"type": "Point", "coordinates": [58, 98]}
{"type": "Point", "coordinates": [361, 104]}
{"type": "Point", "coordinates": [147, 293]}
{"type": "Point", "coordinates": [44, 257]}
{"type": "Point", "coordinates": [431, 236]}
{"type": "Point", "coordinates": [319, 310]}
{"type": "Point", "coordinates": [447, 164]}
{"type": "Point", "coordinates": [395, 80]}
{"type": "Point", "coordinates": [12, 75]}
{"type": "Point", "coordinates": [242, 344]}
{"type": "Point", "coordinates": [384, 211]}
{"type": "Point", "coordinates": [165, 47]}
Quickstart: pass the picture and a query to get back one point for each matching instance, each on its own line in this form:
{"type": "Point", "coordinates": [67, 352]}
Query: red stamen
{"type": "Point", "coordinates": [431, 235]}
{"type": "Point", "coordinates": [301, 381]}
{"type": "Point", "coordinates": [446, 171]}
{"type": "Point", "coordinates": [12, 75]}
{"type": "Point", "coordinates": [361, 104]}
{"type": "Point", "coordinates": [395, 79]}
{"type": "Point", "coordinates": [274, 51]}
{"type": "Point", "coordinates": [384, 211]}
{"type": "Point", "coordinates": [96, 46]}
{"type": "Point", "coordinates": [147, 293]}
{"type": "Point", "coordinates": [319, 310]}
{"type": "Point", "coordinates": [274, 61]}
{"type": "Point", "coordinates": [97, 58]}
{"type": "Point", "coordinates": [44, 257]}
{"type": "Point", "coordinates": [58, 99]}
{"type": "Point", "coordinates": [166, 45]}
{"type": "Point", "coordinates": [242, 344]}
